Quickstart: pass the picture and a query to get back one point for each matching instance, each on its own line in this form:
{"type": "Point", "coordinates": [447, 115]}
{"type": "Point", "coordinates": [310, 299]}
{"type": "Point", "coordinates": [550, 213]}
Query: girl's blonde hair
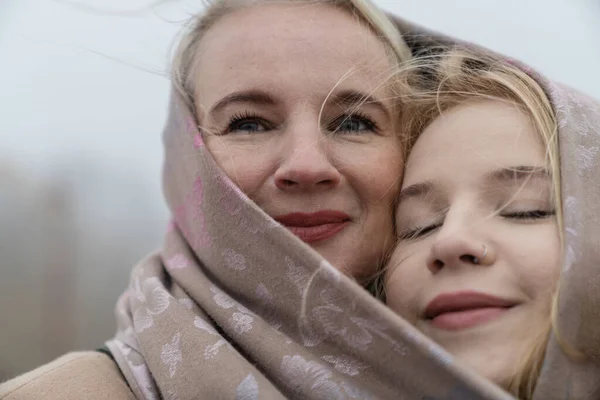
{"type": "Point", "coordinates": [187, 53]}
{"type": "Point", "coordinates": [447, 77]}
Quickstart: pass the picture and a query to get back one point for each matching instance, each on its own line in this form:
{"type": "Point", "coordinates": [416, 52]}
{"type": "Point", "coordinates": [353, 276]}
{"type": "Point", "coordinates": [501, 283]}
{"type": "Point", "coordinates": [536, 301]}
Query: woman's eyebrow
{"type": "Point", "coordinates": [247, 96]}
{"type": "Point", "coordinates": [354, 98]}
{"type": "Point", "coordinates": [518, 173]}
{"type": "Point", "coordinates": [417, 190]}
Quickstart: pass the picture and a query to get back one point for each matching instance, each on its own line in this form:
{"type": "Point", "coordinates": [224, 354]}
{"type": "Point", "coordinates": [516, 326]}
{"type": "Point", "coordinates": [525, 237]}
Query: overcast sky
{"type": "Point", "coordinates": [78, 84]}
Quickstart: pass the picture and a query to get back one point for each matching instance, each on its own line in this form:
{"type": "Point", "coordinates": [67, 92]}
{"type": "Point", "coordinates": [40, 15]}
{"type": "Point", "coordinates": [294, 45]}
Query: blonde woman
{"type": "Point", "coordinates": [289, 106]}
{"type": "Point", "coordinates": [479, 217]}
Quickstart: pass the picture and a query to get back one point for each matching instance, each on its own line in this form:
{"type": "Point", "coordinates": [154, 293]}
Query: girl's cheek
{"type": "Point", "coordinates": [406, 278]}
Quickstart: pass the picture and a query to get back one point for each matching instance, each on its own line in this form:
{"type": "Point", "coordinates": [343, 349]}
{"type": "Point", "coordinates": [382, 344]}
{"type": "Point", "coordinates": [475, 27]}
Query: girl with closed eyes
{"type": "Point", "coordinates": [479, 216]}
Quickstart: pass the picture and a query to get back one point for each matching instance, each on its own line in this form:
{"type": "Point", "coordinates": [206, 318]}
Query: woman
{"type": "Point", "coordinates": [479, 218]}
{"type": "Point", "coordinates": [282, 124]}
{"type": "Point", "coordinates": [299, 138]}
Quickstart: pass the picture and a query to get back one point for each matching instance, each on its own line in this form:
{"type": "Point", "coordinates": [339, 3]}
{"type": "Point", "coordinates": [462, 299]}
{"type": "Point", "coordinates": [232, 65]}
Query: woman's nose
{"type": "Point", "coordinates": [459, 248]}
{"type": "Point", "coordinates": [307, 164]}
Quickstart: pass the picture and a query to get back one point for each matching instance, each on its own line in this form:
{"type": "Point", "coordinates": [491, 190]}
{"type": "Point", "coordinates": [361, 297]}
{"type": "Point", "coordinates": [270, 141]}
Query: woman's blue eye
{"type": "Point", "coordinates": [247, 126]}
{"type": "Point", "coordinates": [352, 123]}
{"type": "Point", "coordinates": [247, 122]}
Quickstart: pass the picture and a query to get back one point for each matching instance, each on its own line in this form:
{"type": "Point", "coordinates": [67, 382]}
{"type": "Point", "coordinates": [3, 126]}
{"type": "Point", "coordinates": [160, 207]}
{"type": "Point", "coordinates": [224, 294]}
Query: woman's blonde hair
{"type": "Point", "coordinates": [186, 55]}
{"type": "Point", "coordinates": [447, 77]}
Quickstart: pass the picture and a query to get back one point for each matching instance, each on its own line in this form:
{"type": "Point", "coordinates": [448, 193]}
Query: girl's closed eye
{"type": "Point", "coordinates": [521, 215]}
{"type": "Point", "coordinates": [353, 123]}
{"type": "Point", "coordinates": [419, 232]}
{"type": "Point", "coordinates": [527, 209]}
{"type": "Point", "coordinates": [529, 214]}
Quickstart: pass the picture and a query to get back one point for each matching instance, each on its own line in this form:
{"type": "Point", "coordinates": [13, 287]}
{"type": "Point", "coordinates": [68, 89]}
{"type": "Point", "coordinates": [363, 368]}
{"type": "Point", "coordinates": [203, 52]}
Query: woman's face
{"type": "Point", "coordinates": [478, 254]}
{"type": "Point", "coordinates": [295, 107]}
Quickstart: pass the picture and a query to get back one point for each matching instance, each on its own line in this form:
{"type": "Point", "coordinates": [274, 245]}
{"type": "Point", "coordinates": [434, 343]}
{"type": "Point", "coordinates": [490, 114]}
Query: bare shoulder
{"type": "Point", "coordinates": [81, 375]}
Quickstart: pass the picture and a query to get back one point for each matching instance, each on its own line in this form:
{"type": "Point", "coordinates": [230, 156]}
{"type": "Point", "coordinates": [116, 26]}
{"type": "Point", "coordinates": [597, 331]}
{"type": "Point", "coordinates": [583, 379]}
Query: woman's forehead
{"type": "Point", "coordinates": [301, 24]}
{"type": "Point", "coordinates": [275, 49]}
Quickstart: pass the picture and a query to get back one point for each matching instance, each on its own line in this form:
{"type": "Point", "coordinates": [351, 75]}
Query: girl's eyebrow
{"type": "Point", "coordinates": [420, 189]}
{"type": "Point", "coordinates": [514, 173]}
{"type": "Point", "coordinates": [518, 173]}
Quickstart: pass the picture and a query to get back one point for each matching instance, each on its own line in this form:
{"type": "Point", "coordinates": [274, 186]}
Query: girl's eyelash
{"type": "Point", "coordinates": [530, 215]}
{"type": "Point", "coordinates": [519, 215]}
{"type": "Point", "coordinates": [418, 232]}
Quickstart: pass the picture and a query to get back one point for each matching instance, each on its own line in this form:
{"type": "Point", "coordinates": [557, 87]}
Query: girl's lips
{"type": "Point", "coordinates": [457, 320]}
{"type": "Point", "coordinates": [313, 227]}
{"type": "Point", "coordinates": [464, 309]}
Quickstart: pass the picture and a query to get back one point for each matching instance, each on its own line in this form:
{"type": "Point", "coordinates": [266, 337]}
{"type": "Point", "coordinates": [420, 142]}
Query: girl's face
{"type": "Point", "coordinates": [478, 255]}
{"type": "Point", "coordinates": [295, 108]}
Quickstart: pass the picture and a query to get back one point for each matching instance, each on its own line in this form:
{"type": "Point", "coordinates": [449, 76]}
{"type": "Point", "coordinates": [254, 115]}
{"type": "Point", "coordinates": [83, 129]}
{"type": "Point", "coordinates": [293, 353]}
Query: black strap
{"type": "Point", "coordinates": [106, 351]}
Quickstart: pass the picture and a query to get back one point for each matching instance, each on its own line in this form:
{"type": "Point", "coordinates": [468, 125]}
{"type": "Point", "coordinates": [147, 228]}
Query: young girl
{"type": "Point", "coordinates": [479, 215]}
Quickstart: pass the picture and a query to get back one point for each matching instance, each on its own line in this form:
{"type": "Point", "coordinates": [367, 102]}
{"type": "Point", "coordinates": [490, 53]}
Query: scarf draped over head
{"type": "Point", "coordinates": [236, 307]}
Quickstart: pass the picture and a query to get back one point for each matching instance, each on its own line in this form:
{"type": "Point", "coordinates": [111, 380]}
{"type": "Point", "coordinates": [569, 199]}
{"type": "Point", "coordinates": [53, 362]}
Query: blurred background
{"type": "Point", "coordinates": [83, 96]}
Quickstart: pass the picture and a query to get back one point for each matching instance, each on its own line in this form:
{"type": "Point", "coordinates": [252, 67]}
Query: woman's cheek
{"type": "Point", "coordinates": [247, 165]}
{"type": "Point", "coordinates": [376, 167]}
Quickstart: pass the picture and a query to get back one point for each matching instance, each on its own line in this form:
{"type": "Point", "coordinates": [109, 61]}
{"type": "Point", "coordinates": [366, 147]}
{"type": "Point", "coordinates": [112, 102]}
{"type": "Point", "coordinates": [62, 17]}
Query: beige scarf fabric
{"type": "Point", "coordinates": [236, 307]}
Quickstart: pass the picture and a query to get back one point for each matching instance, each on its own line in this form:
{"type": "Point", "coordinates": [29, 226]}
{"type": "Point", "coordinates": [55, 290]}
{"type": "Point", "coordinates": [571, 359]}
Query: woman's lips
{"type": "Point", "coordinates": [461, 310]}
{"type": "Point", "coordinates": [313, 227]}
